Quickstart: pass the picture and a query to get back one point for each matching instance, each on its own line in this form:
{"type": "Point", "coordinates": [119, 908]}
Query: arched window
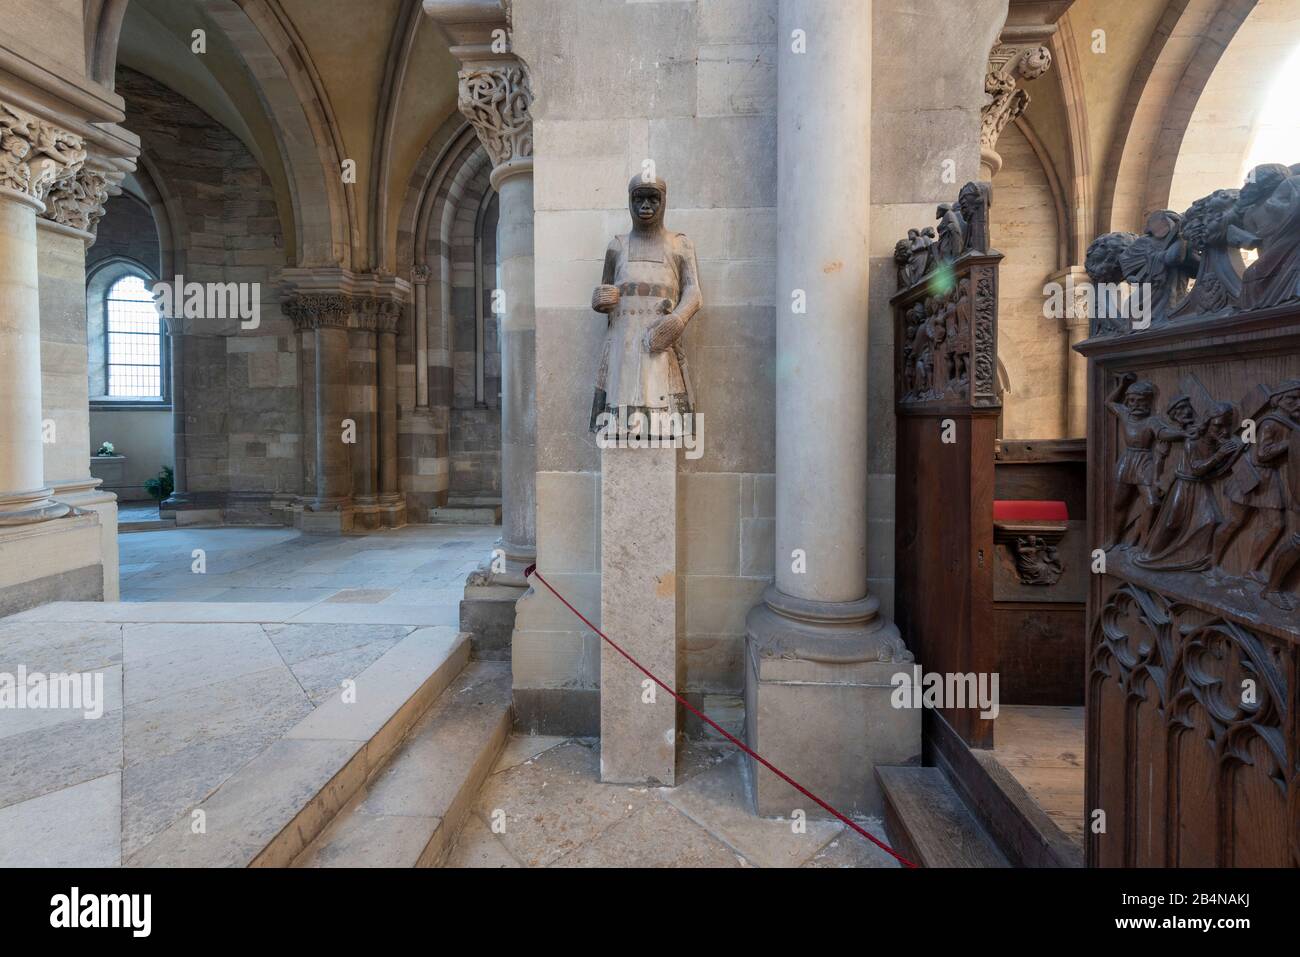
{"type": "Point", "coordinates": [128, 363]}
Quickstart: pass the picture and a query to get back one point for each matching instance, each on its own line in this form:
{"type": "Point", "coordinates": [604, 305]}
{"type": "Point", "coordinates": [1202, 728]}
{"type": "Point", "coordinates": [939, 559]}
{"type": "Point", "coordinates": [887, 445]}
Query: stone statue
{"type": "Point", "coordinates": [1269, 208]}
{"type": "Point", "coordinates": [650, 290]}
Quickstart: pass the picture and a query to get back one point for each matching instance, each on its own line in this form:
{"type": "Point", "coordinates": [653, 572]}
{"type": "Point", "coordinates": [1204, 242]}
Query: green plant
{"type": "Point", "coordinates": [106, 448]}
{"type": "Point", "coordinates": [163, 485]}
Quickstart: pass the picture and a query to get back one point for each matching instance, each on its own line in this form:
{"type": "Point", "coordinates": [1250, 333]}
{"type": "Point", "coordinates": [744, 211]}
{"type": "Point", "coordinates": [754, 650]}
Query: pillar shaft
{"type": "Point", "coordinates": [387, 361]}
{"type": "Point", "coordinates": [824, 199]}
{"type": "Point", "coordinates": [518, 408]}
{"type": "Point", "coordinates": [333, 471]}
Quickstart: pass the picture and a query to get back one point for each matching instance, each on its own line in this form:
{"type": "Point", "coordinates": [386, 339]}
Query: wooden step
{"type": "Point", "coordinates": [929, 824]}
{"type": "Point", "coordinates": [410, 811]}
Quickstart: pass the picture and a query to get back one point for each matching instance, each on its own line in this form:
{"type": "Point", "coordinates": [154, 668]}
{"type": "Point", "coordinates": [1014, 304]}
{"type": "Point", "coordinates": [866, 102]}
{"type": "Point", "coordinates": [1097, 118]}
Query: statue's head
{"type": "Point", "coordinates": [1181, 411]}
{"type": "Point", "coordinates": [1163, 222]}
{"type": "Point", "coordinates": [647, 201]}
{"type": "Point", "coordinates": [1222, 420]}
{"type": "Point", "coordinates": [1102, 262]}
{"type": "Point", "coordinates": [1287, 396]}
{"type": "Point", "coordinates": [1261, 181]}
{"type": "Point", "coordinates": [970, 199]}
{"type": "Point", "coordinates": [1140, 397]}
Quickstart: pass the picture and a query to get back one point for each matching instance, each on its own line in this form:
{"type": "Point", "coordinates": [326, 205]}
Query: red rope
{"type": "Point", "coordinates": [531, 571]}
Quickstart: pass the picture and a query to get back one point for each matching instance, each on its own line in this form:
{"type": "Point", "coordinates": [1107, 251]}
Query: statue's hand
{"type": "Point", "coordinates": [605, 298]}
{"type": "Point", "coordinates": [664, 334]}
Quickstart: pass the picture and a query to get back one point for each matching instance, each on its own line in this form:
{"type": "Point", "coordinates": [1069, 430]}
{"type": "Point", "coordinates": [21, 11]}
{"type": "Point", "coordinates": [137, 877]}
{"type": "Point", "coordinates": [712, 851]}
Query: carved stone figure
{"type": "Point", "coordinates": [1103, 266]}
{"type": "Point", "coordinates": [1211, 228]}
{"type": "Point", "coordinates": [1160, 263]}
{"type": "Point", "coordinates": [912, 255]}
{"type": "Point", "coordinates": [1037, 562]}
{"type": "Point", "coordinates": [973, 203]}
{"type": "Point", "coordinates": [650, 290]}
{"type": "Point", "coordinates": [1182, 537]}
{"type": "Point", "coordinates": [1269, 208]}
{"type": "Point", "coordinates": [1136, 472]}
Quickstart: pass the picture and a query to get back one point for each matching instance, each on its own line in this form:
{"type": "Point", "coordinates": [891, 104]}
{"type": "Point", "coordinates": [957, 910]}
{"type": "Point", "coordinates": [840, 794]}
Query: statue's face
{"type": "Point", "coordinates": [1138, 403]}
{"type": "Point", "coordinates": [647, 206]}
{"type": "Point", "coordinates": [1289, 402]}
{"type": "Point", "coordinates": [1183, 414]}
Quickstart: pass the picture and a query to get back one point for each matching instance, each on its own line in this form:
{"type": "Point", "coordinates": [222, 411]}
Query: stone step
{"type": "Point", "coordinates": [475, 515]}
{"type": "Point", "coordinates": [146, 525]}
{"type": "Point", "coordinates": [411, 809]}
{"type": "Point", "coordinates": [268, 811]}
{"type": "Point", "coordinates": [928, 823]}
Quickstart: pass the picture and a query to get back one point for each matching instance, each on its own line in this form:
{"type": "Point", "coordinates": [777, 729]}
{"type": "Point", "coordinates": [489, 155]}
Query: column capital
{"type": "Point", "coordinates": [35, 154]}
{"type": "Point", "coordinates": [1009, 64]}
{"type": "Point", "coordinates": [420, 274]}
{"type": "Point", "coordinates": [496, 97]}
{"type": "Point", "coordinates": [317, 310]}
{"type": "Point", "coordinates": [77, 201]}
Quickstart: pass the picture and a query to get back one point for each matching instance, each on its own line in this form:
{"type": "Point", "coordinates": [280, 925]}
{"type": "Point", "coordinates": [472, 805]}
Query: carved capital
{"type": "Point", "coordinates": [78, 200]}
{"type": "Point", "coordinates": [496, 98]}
{"type": "Point", "coordinates": [317, 310]}
{"type": "Point", "coordinates": [1009, 65]}
{"type": "Point", "coordinates": [420, 274]}
{"type": "Point", "coordinates": [34, 154]}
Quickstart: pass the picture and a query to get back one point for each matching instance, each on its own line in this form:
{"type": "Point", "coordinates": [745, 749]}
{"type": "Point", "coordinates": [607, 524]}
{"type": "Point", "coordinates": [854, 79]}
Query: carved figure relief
{"type": "Point", "coordinates": [650, 290]}
{"type": "Point", "coordinates": [1037, 562]}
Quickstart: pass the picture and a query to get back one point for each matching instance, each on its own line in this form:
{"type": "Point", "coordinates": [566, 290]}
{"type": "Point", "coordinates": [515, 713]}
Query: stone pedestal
{"type": "Point", "coordinates": [641, 608]}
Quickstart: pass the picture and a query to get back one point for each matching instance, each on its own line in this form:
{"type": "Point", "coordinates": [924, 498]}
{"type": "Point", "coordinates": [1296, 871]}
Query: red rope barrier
{"type": "Point", "coordinates": [532, 571]}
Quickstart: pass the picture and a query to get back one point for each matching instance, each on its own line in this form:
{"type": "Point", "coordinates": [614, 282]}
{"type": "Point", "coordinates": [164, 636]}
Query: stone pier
{"type": "Point", "coordinates": [819, 652]}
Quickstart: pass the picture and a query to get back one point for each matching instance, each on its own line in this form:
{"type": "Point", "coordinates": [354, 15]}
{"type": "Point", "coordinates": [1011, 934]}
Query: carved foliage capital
{"type": "Point", "coordinates": [1009, 65]}
{"type": "Point", "coordinates": [78, 200]}
{"type": "Point", "coordinates": [317, 310]}
{"type": "Point", "coordinates": [34, 154]}
{"type": "Point", "coordinates": [496, 98]}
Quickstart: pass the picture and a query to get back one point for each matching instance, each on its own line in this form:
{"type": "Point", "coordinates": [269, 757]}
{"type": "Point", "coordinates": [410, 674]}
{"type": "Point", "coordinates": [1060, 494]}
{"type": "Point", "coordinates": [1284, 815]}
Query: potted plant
{"type": "Point", "coordinates": [106, 448]}
{"type": "Point", "coordinates": [161, 486]}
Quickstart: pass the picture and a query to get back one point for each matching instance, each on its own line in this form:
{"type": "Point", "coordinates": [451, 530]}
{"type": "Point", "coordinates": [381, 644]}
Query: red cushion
{"type": "Point", "coordinates": [1030, 512]}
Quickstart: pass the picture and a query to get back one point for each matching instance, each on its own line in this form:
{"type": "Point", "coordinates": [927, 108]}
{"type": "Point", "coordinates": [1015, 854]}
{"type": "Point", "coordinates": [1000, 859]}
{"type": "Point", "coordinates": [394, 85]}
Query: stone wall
{"type": "Point", "coordinates": [127, 231]}
{"type": "Point", "coordinates": [691, 86]}
{"type": "Point", "coordinates": [241, 399]}
{"type": "Point", "coordinates": [1032, 348]}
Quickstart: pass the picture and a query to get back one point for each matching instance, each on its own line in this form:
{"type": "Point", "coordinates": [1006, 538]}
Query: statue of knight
{"type": "Point", "coordinates": [650, 291]}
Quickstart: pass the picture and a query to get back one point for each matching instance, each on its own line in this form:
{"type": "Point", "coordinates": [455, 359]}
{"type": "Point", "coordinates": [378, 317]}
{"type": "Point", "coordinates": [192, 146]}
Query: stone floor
{"type": "Point", "coordinates": [543, 806]}
{"type": "Point", "coordinates": [224, 659]}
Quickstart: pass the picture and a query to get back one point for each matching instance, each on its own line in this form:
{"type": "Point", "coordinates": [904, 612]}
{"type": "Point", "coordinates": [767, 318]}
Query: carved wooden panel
{"type": "Point", "coordinates": [946, 399]}
{"type": "Point", "coordinates": [1194, 500]}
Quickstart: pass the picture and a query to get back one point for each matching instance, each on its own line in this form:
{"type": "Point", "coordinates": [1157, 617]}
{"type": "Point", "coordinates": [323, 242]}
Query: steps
{"type": "Point", "coordinates": [467, 510]}
{"type": "Point", "coordinates": [268, 811]}
{"type": "Point", "coordinates": [929, 824]}
{"type": "Point", "coordinates": [411, 808]}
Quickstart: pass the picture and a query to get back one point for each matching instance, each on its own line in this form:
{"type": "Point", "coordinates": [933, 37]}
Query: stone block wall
{"type": "Point", "coordinates": [692, 87]}
{"type": "Point", "coordinates": [242, 388]}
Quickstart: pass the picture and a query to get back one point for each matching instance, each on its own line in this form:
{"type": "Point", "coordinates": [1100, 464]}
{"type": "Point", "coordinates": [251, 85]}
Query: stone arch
{"type": "Point", "coordinates": [1168, 81]}
{"type": "Point", "coordinates": [1227, 117]}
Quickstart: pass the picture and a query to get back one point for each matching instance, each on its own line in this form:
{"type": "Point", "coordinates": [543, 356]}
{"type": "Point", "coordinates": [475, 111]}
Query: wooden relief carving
{"type": "Point", "coordinates": [1194, 462]}
{"type": "Point", "coordinates": [948, 305]}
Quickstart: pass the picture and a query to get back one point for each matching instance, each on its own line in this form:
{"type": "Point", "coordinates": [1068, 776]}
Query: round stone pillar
{"type": "Point", "coordinates": [23, 494]}
{"type": "Point", "coordinates": [819, 654]}
{"type": "Point", "coordinates": [518, 376]}
{"type": "Point", "coordinates": [333, 469]}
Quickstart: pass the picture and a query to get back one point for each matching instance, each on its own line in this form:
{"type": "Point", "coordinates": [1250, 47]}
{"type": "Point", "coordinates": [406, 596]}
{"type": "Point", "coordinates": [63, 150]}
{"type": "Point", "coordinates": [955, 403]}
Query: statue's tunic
{"type": "Point", "coordinates": [656, 276]}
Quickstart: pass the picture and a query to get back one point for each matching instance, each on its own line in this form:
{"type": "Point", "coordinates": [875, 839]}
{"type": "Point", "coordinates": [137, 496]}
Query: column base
{"type": "Point", "coordinates": [392, 510]}
{"type": "Point", "coordinates": [28, 508]}
{"type": "Point", "coordinates": [325, 516]}
{"type": "Point", "coordinates": [487, 612]}
{"type": "Point", "coordinates": [818, 689]}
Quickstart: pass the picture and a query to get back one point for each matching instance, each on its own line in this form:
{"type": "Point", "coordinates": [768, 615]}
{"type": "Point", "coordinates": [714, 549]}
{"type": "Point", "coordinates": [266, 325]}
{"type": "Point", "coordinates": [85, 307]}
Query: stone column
{"type": "Point", "coordinates": [392, 505]}
{"type": "Point", "coordinates": [420, 282]}
{"type": "Point", "coordinates": [1074, 326]}
{"type": "Point", "coordinates": [495, 97]}
{"type": "Point", "coordinates": [34, 157]}
{"type": "Point", "coordinates": [819, 653]}
{"type": "Point", "coordinates": [326, 316]}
